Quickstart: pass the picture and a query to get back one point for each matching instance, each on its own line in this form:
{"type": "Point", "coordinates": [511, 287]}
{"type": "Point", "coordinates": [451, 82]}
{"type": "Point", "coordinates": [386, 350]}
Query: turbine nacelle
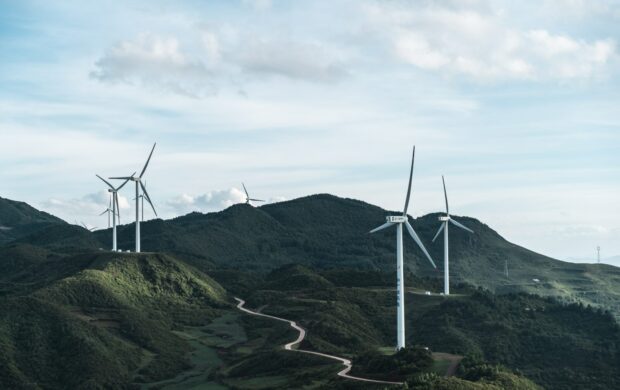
{"type": "Point", "coordinates": [396, 219]}
{"type": "Point", "coordinates": [444, 218]}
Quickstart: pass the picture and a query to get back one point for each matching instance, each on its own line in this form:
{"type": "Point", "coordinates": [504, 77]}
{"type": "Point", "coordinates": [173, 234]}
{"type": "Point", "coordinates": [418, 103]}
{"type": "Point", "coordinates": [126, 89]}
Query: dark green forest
{"type": "Point", "coordinates": [74, 315]}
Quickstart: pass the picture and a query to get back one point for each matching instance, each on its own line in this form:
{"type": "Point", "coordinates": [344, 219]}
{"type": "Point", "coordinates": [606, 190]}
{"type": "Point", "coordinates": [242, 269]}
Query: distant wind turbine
{"type": "Point", "coordinates": [247, 196]}
{"type": "Point", "coordinates": [446, 220]}
{"type": "Point", "coordinates": [87, 228]}
{"type": "Point", "coordinates": [139, 184]}
{"type": "Point", "coordinates": [399, 221]}
{"type": "Point", "coordinates": [108, 210]}
{"type": "Point", "coordinates": [115, 207]}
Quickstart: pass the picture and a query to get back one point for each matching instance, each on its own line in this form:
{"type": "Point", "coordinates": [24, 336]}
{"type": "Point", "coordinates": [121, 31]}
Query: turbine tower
{"type": "Point", "coordinates": [399, 221]}
{"type": "Point", "coordinates": [446, 220]}
{"type": "Point", "coordinates": [247, 196]}
{"type": "Point", "coordinates": [139, 184]}
{"type": "Point", "coordinates": [141, 204]}
{"type": "Point", "coordinates": [115, 209]}
{"type": "Point", "coordinates": [598, 254]}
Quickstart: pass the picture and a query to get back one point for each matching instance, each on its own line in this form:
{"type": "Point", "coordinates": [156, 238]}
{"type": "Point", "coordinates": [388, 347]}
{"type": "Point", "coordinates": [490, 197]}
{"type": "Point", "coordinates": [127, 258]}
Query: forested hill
{"type": "Point", "coordinates": [18, 219]}
{"type": "Point", "coordinates": [325, 231]}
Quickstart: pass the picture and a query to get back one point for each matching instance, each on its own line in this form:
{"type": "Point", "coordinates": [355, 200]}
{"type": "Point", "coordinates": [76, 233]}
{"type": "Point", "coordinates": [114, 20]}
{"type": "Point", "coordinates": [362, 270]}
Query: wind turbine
{"type": "Point", "coordinates": [108, 210]}
{"type": "Point", "coordinates": [247, 196]}
{"type": "Point", "coordinates": [139, 184]}
{"type": "Point", "coordinates": [115, 208]}
{"type": "Point", "coordinates": [446, 220]}
{"type": "Point", "coordinates": [399, 221]}
{"type": "Point", "coordinates": [87, 228]}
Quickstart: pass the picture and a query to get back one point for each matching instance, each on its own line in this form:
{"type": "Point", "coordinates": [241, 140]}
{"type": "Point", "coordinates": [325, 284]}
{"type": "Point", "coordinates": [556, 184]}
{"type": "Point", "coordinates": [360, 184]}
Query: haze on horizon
{"type": "Point", "coordinates": [516, 104]}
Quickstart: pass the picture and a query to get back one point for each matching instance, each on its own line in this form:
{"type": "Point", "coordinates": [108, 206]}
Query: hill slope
{"type": "Point", "coordinates": [325, 231]}
{"type": "Point", "coordinates": [18, 219]}
{"type": "Point", "coordinates": [102, 313]}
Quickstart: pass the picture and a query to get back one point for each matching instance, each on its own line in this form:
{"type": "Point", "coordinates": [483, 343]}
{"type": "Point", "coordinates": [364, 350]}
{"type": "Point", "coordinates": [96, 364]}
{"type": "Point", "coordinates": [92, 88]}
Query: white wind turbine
{"type": "Point", "coordinates": [399, 221]}
{"type": "Point", "coordinates": [115, 208]}
{"type": "Point", "coordinates": [247, 196]}
{"type": "Point", "coordinates": [446, 220]}
{"type": "Point", "coordinates": [139, 184]}
{"type": "Point", "coordinates": [108, 210]}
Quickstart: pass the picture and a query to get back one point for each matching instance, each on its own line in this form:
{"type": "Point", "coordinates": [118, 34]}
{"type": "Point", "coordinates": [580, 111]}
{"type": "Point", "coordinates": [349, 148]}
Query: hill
{"type": "Point", "coordinates": [101, 313]}
{"type": "Point", "coordinates": [324, 231]}
{"type": "Point", "coordinates": [18, 219]}
{"type": "Point", "coordinates": [312, 260]}
{"type": "Point", "coordinates": [556, 345]}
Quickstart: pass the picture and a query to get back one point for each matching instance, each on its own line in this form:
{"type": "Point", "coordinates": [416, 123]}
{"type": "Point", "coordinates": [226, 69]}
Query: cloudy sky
{"type": "Point", "coordinates": [518, 105]}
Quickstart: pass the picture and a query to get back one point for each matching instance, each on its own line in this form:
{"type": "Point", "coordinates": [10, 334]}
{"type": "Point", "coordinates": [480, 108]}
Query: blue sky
{"type": "Point", "coordinates": [516, 104]}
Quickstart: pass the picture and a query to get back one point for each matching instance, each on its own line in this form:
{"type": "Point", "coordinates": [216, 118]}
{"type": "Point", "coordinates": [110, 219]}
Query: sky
{"type": "Point", "coordinates": [516, 103]}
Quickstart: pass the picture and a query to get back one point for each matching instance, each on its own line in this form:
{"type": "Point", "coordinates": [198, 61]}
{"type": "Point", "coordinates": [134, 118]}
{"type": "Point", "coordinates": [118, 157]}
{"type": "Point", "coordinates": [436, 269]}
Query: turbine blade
{"type": "Point", "coordinates": [148, 198]}
{"type": "Point", "coordinates": [147, 160]}
{"type": "Point", "coordinates": [246, 191]}
{"type": "Point", "coordinates": [106, 211]}
{"type": "Point", "coordinates": [461, 225]}
{"type": "Point", "coordinates": [385, 225]}
{"type": "Point", "coordinates": [118, 209]}
{"type": "Point", "coordinates": [105, 181]}
{"type": "Point", "coordinates": [121, 178]}
{"type": "Point", "coordinates": [417, 240]}
{"type": "Point", "coordinates": [439, 231]}
{"type": "Point", "coordinates": [445, 194]}
{"type": "Point", "coordinates": [257, 200]}
{"type": "Point", "coordinates": [125, 182]}
{"type": "Point", "coordinates": [409, 187]}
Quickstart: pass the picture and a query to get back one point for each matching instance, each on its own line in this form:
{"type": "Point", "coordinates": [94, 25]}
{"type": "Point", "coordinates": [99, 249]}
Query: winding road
{"type": "Point", "coordinates": [344, 373]}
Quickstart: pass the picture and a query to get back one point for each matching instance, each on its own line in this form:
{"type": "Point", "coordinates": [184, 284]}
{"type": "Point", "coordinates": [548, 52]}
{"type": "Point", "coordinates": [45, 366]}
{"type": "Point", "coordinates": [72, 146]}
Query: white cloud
{"type": "Point", "coordinates": [479, 43]}
{"type": "Point", "coordinates": [213, 201]}
{"type": "Point", "coordinates": [207, 59]}
{"type": "Point", "coordinates": [155, 61]}
{"type": "Point", "coordinates": [85, 208]}
{"type": "Point", "coordinates": [209, 201]}
{"type": "Point", "coordinates": [295, 60]}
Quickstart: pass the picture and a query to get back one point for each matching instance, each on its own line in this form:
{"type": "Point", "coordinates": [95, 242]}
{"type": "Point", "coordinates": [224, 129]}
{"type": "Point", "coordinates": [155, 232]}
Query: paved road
{"type": "Point", "coordinates": [344, 373]}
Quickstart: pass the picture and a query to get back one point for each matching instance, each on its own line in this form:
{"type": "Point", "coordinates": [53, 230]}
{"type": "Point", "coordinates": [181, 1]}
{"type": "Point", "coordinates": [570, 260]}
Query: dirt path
{"type": "Point", "coordinates": [453, 359]}
{"type": "Point", "coordinates": [344, 373]}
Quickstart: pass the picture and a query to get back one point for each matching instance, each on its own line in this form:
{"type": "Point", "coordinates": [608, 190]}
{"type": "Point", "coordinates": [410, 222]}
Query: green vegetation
{"type": "Point", "coordinates": [71, 314]}
{"type": "Point", "coordinates": [114, 313]}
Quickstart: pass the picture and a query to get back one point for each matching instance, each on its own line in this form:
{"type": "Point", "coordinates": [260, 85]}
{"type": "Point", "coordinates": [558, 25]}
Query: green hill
{"type": "Point", "coordinates": [18, 219]}
{"type": "Point", "coordinates": [102, 313]}
{"type": "Point", "coordinates": [162, 318]}
{"type": "Point", "coordinates": [324, 231]}
{"type": "Point", "coordinates": [558, 346]}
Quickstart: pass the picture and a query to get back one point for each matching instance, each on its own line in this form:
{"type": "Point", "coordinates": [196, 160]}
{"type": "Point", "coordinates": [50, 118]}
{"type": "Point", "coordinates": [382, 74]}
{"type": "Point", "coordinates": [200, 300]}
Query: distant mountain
{"type": "Point", "coordinates": [612, 260]}
{"type": "Point", "coordinates": [327, 232]}
{"type": "Point", "coordinates": [18, 219]}
{"type": "Point", "coordinates": [324, 231]}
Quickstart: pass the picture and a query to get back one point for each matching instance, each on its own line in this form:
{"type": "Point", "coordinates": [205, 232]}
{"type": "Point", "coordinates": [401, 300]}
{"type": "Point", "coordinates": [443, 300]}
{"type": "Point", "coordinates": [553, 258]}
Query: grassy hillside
{"type": "Point", "coordinates": [101, 313]}
{"type": "Point", "coordinates": [554, 344]}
